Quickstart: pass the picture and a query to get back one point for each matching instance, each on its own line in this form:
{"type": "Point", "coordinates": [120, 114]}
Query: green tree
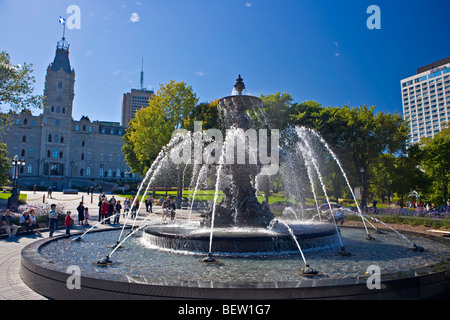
{"type": "Point", "coordinates": [207, 113]}
{"type": "Point", "coordinates": [358, 136]}
{"type": "Point", "coordinates": [152, 127]}
{"type": "Point", "coordinates": [17, 84]}
{"type": "Point", "coordinates": [5, 164]}
{"type": "Point", "coordinates": [436, 163]}
{"type": "Point", "coordinates": [277, 109]}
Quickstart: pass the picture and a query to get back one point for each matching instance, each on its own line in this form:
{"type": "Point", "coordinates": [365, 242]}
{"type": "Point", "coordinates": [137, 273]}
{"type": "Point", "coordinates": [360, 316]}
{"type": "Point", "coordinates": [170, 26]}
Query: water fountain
{"type": "Point", "coordinates": [246, 252]}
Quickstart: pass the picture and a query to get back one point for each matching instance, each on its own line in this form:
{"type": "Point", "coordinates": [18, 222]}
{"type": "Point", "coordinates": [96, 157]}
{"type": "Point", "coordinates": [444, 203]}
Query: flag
{"type": "Point", "coordinates": [62, 20]}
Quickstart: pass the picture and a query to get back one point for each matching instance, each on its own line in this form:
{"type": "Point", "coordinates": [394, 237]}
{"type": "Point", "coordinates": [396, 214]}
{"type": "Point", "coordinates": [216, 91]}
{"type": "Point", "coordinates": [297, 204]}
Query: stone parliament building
{"type": "Point", "coordinates": [61, 152]}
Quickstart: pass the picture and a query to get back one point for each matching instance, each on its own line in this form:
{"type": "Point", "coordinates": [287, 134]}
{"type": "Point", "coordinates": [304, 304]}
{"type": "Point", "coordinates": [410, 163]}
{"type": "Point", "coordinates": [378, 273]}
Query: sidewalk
{"type": "Point", "coordinates": [11, 285]}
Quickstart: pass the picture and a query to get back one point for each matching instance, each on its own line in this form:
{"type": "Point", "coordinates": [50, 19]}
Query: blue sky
{"type": "Point", "coordinates": [316, 50]}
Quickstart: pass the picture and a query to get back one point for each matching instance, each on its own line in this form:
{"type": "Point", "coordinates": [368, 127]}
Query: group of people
{"type": "Point", "coordinates": [169, 208]}
{"type": "Point", "coordinates": [27, 219]}
{"type": "Point", "coordinates": [108, 208]}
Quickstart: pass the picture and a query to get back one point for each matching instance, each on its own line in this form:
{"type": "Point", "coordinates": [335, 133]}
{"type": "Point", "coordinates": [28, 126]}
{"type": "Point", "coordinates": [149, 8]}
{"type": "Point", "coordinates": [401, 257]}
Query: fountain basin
{"type": "Point", "coordinates": [239, 241]}
{"type": "Point", "coordinates": [158, 274]}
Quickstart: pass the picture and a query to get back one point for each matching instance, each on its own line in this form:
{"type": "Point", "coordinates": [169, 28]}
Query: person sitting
{"type": "Point", "coordinates": [34, 221]}
{"type": "Point", "coordinates": [25, 221]}
{"type": "Point", "coordinates": [8, 225]}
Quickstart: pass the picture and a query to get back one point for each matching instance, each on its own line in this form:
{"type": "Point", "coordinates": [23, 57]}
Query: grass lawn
{"type": "Point", "coordinates": [7, 195]}
{"type": "Point", "coordinates": [204, 195]}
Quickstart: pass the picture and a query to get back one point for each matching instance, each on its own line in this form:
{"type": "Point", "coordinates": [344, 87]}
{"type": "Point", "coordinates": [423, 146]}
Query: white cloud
{"type": "Point", "coordinates": [135, 17]}
{"type": "Point", "coordinates": [200, 73]}
{"type": "Point", "coordinates": [248, 4]}
{"type": "Point", "coordinates": [89, 53]}
{"type": "Point", "coordinates": [139, 3]}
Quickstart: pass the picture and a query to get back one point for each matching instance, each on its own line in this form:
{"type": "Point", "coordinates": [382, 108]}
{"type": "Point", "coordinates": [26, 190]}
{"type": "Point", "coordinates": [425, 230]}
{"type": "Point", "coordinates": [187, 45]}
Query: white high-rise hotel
{"type": "Point", "coordinates": [426, 100]}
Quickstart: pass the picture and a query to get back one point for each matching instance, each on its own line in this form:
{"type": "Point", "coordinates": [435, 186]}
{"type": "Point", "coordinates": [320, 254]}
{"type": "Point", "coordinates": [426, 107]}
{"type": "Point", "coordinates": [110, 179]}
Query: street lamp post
{"type": "Point", "coordinates": [16, 165]}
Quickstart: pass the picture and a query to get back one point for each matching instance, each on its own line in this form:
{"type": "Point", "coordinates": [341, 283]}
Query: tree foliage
{"type": "Point", "coordinates": [17, 84]}
{"type": "Point", "coordinates": [436, 164]}
{"type": "Point", "coordinates": [152, 127]}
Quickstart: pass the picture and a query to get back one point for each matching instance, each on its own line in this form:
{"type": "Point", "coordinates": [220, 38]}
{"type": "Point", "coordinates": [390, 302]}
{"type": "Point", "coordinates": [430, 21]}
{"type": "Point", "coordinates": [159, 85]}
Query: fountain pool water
{"type": "Point", "coordinates": [143, 262]}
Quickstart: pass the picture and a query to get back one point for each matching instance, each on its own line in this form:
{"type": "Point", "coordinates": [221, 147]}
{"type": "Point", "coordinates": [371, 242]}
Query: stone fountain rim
{"type": "Point", "coordinates": [50, 279]}
{"type": "Point", "coordinates": [219, 236]}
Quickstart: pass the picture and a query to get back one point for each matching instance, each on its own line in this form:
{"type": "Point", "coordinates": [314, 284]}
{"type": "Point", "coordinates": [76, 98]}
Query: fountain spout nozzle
{"type": "Point", "coordinates": [418, 248]}
{"type": "Point", "coordinates": [343, 253]}
{"type": "Point", "coordinates": [105, 262]}
{"type": "Point", "coordinates": [209, 259]}
{"type": "Point", "coordinates": [308, 271]}
{"type": "Point", "coordinates": [369, 237]}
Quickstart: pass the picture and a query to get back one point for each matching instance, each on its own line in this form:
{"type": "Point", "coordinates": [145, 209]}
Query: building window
{"type": "Point", "coordinates": [88, 171]}
{"type": "Point", "coordinates": [77, 128]}
{"type": "Point", "coordinates": [110, 173]}
{"type": "Point", "coordinates": [118, 172]}
{"type": "Point", "coordinates": [30, 168]}
{"type": "Point", "coordinates": [24, 139]}
{"type": "Point", "coordinates": [22, 154]}
{"type": "Point", "coordinates": [81, 172]}
{"type": "Point", "coordinates": [60, 85]}
{"type": "Point", "coordinates": [55, 153]}
{"type": "Point", "coordinates": [61, 155]}
{"type": "Point", "coordinates": [101, 172]}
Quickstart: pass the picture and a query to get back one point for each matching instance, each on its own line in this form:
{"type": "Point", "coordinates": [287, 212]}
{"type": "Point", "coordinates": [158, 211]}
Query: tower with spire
{"type": "Point", "coordinates": [59, 92]}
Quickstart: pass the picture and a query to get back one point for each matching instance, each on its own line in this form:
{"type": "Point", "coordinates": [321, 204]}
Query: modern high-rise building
{"type": "Point", "coordinates": [135, 100]}
{"type": "Point", "coordinates": [132, 102]}
{"type": "Point", "coordinates": [426, 100]}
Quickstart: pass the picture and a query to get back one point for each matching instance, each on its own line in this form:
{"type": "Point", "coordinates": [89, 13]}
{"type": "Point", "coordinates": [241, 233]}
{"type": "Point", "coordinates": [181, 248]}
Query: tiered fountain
{"type": "Point", "coordinates": [250, 253]}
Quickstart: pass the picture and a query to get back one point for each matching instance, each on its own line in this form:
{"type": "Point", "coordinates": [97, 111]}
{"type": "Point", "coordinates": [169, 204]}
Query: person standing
{"type": "Point", "coordinates": [86, 216]}
{"type": "Point", "coordinates": [8, 225]}
{"type": "Point", "coordinates": [104, 210]}
{"type": "Point", "coordinates": [68, 223]}
{"type": "Point", "coordinates": [53, 220]}
{"type": "Point", "coordinates": [80, 210]}
{"type": "Point", "coordinates": [117, 212]}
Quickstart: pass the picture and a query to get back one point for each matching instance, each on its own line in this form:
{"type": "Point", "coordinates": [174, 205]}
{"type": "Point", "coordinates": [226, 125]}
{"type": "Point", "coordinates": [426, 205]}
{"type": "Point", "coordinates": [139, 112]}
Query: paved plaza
{"type": "Point", "coordinates": [11, 285]}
